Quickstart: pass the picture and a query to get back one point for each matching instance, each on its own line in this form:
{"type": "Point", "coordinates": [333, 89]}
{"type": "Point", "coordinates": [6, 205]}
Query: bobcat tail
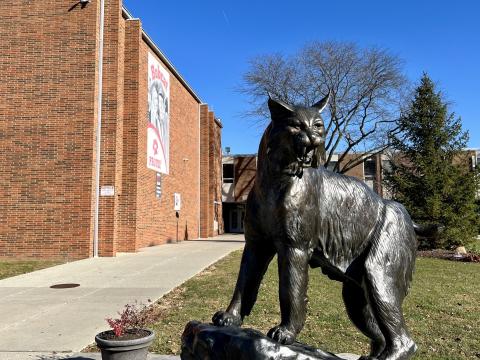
{"type": "Point", "coordinates": [428, 231]}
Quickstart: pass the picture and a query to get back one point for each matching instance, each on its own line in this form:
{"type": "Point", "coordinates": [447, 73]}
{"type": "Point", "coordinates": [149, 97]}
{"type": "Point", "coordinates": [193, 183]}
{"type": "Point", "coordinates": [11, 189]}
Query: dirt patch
{"type": "Point", "coordinates": [449, 255]}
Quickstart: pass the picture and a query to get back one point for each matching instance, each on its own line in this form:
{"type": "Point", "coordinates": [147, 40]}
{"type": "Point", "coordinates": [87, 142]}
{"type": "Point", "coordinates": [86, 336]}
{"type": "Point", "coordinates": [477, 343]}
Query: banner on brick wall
{"type": "Point", "coordinates": [158, 116]}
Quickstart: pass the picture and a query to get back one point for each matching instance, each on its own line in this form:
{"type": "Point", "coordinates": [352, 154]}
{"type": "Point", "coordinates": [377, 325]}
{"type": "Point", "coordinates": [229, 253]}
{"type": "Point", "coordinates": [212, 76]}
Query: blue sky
{"type": "Point", "coordinates": [210, 43]}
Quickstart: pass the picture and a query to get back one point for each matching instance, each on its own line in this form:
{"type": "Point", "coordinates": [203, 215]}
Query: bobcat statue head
{"type": "Point", "coordinates": [296, 137]}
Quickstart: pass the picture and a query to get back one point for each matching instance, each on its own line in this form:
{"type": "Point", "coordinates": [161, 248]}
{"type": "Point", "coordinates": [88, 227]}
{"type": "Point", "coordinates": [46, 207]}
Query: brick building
{"type": "Point", "coordinates": [75, 116]}
{"type": "Point", "coordinates": [239, 176]}
{"type": "Point", "coordinates": [211, 175]}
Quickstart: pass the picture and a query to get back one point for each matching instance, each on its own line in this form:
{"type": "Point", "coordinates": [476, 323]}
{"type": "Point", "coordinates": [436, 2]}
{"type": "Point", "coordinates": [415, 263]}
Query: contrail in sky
{"type": "Point", "coordinates": [225, 17]}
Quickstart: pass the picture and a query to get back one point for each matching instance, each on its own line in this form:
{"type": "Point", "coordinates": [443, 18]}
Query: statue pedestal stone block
{"type": "Point", "coordinates": [206, 341]}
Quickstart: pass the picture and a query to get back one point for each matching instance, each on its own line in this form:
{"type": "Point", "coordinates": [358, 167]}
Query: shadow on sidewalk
{"type": "Point", "coordinates": [56, 357]}
{"type": "Point", "coordinates": [219, 240]}
{"type": "Point", "coordinates": [97, 356]}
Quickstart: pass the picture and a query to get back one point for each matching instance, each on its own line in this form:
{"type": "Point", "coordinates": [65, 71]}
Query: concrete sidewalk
{"type": "Point", "coordinates": [97, 356]}
{"type": "Point", "coordinates": [41, 320]}
{"type": "Point", "coordinates": [71, 356]}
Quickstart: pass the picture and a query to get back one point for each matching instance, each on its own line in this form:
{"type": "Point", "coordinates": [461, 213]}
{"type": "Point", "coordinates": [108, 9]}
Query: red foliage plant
{"type": "Point", "coordinates": [132, 318]}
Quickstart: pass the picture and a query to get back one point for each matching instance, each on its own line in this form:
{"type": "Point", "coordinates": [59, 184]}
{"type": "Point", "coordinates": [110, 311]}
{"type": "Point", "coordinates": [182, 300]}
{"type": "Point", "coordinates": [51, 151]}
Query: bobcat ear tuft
{"type": "Point", "coordinates": [322, 104]}
{"type": "Point", "coordinates": [278, 108]}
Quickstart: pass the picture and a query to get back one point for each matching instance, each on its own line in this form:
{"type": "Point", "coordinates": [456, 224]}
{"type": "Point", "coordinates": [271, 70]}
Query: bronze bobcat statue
{"type": "Point", "coordinates": [310, 216]}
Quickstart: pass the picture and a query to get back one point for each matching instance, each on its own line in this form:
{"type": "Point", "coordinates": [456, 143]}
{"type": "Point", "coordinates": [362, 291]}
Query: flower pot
{"type": "Point", "coordinates": [133, 348]}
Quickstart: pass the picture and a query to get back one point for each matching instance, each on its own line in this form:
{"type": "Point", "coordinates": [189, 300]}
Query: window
{"type": "Point", "coordinates": [369, 168]}
{"type": "Point", "coordinates": [475, 161]}
{"type": "Point", "coordinates": [369, 172]}
{"type": "Point", "coordinates": [228, 173]}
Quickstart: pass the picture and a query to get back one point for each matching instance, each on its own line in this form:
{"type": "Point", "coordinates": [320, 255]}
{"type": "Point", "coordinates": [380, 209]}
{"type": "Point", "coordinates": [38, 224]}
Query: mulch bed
{"type": "Point", "coordinates": [449, 255]}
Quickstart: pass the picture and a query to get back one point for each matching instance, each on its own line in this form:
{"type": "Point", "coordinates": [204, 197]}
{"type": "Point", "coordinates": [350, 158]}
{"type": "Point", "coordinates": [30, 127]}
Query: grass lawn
{"type": "Point", "coordinates": [10, 268]}
{"type": "Point", "coordinates": [442, 309]}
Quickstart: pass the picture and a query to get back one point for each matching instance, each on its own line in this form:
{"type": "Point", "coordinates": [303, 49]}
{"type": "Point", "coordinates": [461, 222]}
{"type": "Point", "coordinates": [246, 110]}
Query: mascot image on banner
{"type": "Point", "coordinates": [158, 116]}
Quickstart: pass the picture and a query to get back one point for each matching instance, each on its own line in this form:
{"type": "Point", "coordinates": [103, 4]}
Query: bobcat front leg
{"type": "Point", "coordinates": [293, 276]}
{"type": "Point", "coordinates": [255, 260]}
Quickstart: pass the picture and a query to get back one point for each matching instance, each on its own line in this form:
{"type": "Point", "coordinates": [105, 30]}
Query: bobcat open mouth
{"type": "Point", "coordinates": [306, 160]}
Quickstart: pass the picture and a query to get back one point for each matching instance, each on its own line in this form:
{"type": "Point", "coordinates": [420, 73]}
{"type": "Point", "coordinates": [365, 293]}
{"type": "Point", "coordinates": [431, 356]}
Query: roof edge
{"type": "Point", "coordinates": [218, 122]}
{"type": "Point", "coordinates": [128, 16]}
{"type": "Point", "coordinates": [240, 155]}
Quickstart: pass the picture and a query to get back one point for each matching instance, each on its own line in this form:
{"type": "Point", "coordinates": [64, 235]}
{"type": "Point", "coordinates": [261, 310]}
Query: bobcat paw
{"type": "Point", "coordinates": [223, 318]}
{"type": "Point", "coordinates": [281, 335]}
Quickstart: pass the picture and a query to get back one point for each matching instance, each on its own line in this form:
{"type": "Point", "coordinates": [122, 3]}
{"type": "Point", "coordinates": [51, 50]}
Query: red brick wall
{"type": "Point", "coordinates": [156, 220]}
{"type": "Point", "coordinates": [245, 170]}
{"type": "Point", "coordinates": [219, 178]}
{"type": "Point", "coordinates": [357, 171]}
{"type": "Point", "coordinates": [215, 176]}
{"type": "Point", "coordinates": [47, 112]}
{"type": "Point", "coordinates": [211, 174]}
{"type": "Point", "coordinates": [126, 230]}
{"type": "Point", "coordinates": [48, 119]}
{"type": "Point", "coordinates": [112, 124]}
{"type": "Point", "coordinates": [205, 216]}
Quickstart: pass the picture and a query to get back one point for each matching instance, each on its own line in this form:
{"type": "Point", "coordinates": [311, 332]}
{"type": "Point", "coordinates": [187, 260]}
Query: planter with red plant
{"type": "Point", "coordinates": [128, 339]}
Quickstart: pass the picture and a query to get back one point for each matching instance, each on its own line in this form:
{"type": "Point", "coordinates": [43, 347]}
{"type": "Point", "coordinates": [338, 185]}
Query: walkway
{"type": "Point", "coordinates": [36, 318]}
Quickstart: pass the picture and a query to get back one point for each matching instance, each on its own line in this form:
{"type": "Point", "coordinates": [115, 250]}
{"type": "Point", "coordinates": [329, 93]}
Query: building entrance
{"type": "Point", "coordinates": [233, 217]}
{"type": "Point", "coordinates": [236, 220]}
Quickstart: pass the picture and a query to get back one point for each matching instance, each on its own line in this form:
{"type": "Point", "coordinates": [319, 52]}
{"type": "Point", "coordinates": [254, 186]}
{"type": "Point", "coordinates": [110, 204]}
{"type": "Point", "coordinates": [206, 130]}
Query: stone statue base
{"type": "Point", "coordinates": [206, 341]}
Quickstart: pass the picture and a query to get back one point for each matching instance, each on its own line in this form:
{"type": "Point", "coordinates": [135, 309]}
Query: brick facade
{"type": "Point", "coordinates": [112, 125]}
{"type": "Point", "coordinates": [48, 121]}
{"type": "Point", "coordinates": [245, 168]}
{"type": "Point", "coordinates": [156, 218]}
{"type": "Point", "coordinates": [47, 118]}
{"type": "Point", "coordinates": [357, 171]}
{"type": "Point", "coordinates": [210, 174]}
{"type": "Point", "coordinates": [205, 215]}
{"type": "Point", "coordinates": [215, 155]}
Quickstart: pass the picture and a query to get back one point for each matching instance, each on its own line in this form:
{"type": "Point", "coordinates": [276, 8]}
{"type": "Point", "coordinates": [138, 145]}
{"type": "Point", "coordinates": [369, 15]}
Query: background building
{"type": "Point", "coordinates": [81, 90]}
{"type": "Point", "coordinates": [239, 176]}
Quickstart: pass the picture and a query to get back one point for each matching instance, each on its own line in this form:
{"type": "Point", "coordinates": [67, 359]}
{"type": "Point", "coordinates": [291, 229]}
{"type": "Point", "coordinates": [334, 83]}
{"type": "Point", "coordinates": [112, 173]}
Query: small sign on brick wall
{"type": "Point", "coordinates": [107, 190]}
{"type": "Point", "coordinates": [158, 186]}
{"type": "Point", "coordinates": [177, 202]}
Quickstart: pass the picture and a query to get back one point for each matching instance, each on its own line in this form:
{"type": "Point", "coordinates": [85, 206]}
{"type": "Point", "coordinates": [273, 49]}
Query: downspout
{"type": "Point", "coordinates": [99, 129]}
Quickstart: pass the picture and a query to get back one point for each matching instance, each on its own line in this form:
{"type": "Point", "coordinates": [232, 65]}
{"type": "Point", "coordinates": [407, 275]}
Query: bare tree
{"type": "Point", "coordinates": [366, 85]}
